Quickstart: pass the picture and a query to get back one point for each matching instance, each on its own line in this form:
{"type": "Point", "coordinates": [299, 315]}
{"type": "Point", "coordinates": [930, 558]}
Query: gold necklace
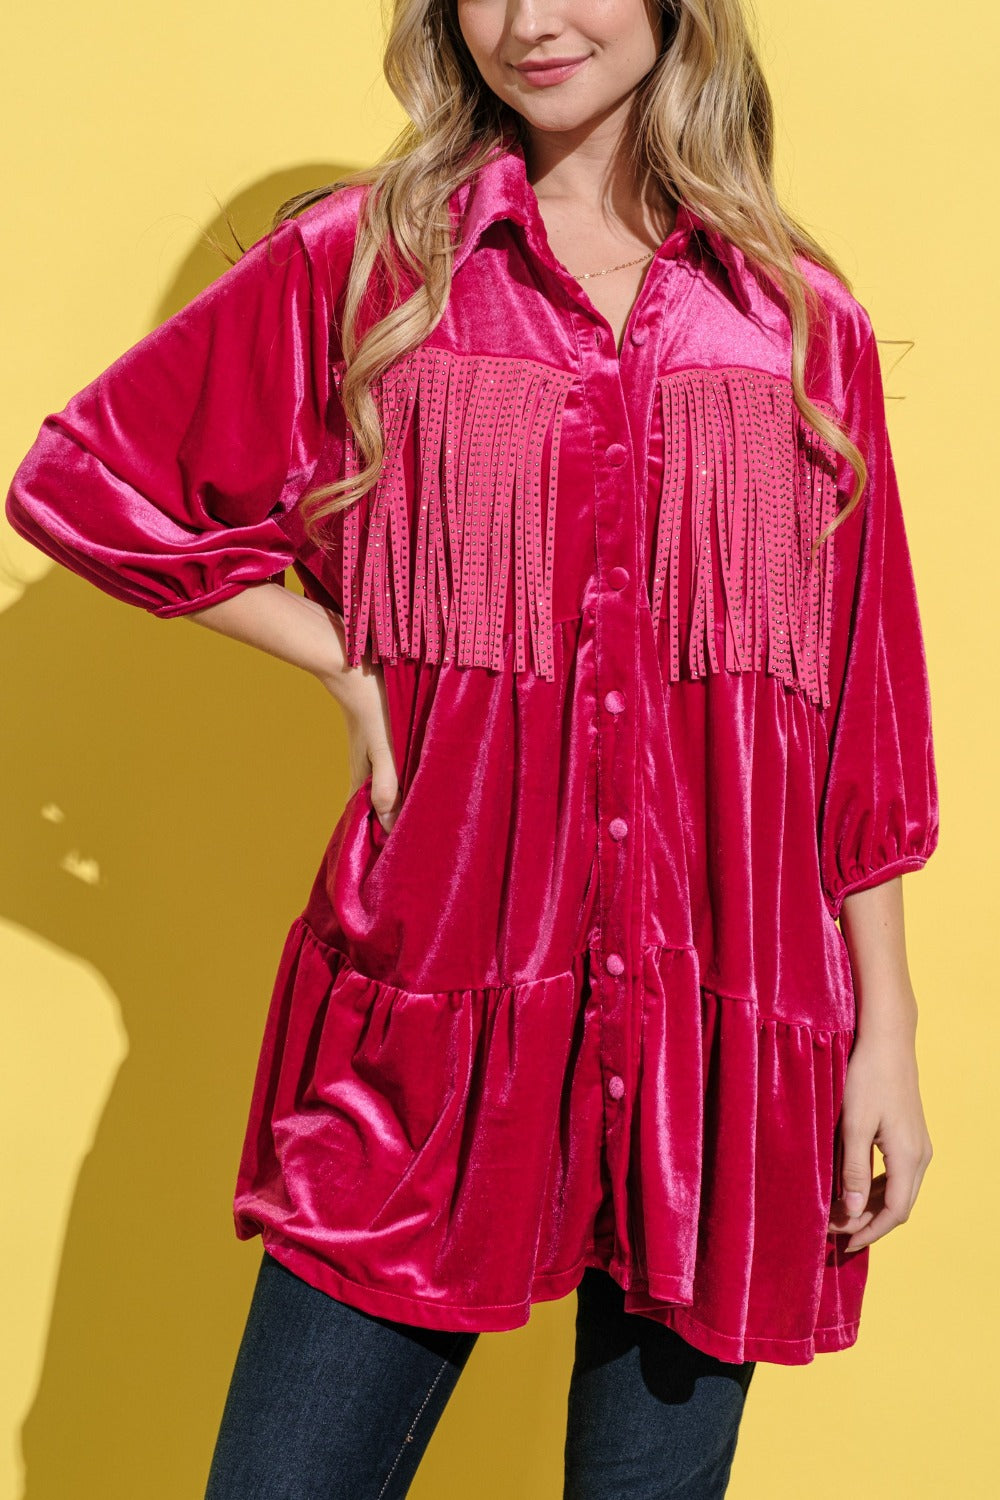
{"type": "Point", "coordinates": [586, 275]}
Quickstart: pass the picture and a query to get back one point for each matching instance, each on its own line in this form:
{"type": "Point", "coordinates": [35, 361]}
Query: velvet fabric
{"type": "Point", "coordinates": [588, 1002]}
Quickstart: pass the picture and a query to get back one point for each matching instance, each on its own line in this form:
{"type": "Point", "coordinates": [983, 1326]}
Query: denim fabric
{"type": "Point", "coordinates": [649, 1416]}
{"type": "Point", "coordinates": [331, 1403]}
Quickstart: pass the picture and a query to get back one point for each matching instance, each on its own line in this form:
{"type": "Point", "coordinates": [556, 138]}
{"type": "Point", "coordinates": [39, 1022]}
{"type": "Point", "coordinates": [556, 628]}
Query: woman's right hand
{"type": "Point", "coordinates": [360, 691]}
{"type": "Point", "coordinates": [304, 632]}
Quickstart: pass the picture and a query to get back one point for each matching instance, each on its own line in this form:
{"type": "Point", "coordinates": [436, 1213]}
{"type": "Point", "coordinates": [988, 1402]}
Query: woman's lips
{"type": "Point", "coordinates": [546, 76]}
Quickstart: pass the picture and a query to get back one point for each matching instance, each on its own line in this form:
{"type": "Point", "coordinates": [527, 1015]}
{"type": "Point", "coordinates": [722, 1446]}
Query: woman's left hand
{"type": "Point", "coordinates": [881, 1107]}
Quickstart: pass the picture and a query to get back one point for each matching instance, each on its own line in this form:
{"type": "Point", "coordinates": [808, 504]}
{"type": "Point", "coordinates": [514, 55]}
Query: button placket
{"type": "Point", "coordinates": [616, 980]}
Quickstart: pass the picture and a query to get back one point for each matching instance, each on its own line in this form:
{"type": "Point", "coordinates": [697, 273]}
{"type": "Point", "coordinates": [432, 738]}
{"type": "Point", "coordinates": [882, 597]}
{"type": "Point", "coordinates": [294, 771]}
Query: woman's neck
{"type": "Point", "coordinates": [593, 177]}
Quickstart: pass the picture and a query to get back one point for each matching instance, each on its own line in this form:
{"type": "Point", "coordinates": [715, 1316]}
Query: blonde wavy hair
{"type": "Point", "coordinates": [703, 127]}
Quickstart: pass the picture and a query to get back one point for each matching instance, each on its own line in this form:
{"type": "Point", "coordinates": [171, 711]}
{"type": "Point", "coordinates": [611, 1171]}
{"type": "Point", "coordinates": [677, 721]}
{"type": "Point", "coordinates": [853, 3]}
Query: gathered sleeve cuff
{"type": "Point", "coordinates": [878, 813]}
{"type": "Point", "coordinates": [163, 481]}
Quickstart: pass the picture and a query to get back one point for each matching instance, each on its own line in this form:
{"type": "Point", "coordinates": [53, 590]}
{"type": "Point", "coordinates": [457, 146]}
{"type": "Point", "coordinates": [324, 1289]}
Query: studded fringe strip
{"type": "Point", "coordinates": [757, 485]}
{"type": "Point", "coordinates": [428, 552]}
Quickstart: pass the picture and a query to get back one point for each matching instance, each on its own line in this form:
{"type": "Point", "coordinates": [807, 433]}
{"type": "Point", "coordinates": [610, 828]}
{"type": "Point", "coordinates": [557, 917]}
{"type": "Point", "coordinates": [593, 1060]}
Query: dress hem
{"type": "Point", "coordinates": [546, 1287]}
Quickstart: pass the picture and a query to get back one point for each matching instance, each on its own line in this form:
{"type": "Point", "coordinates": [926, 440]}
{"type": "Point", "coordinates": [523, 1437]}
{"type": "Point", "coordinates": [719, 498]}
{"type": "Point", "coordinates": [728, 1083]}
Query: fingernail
{"type": "Point", "coordinates": [855, 1202]}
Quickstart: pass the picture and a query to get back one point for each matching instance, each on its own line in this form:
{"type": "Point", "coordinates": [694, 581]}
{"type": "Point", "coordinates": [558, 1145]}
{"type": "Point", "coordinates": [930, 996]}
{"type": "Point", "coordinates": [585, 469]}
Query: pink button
{"type": "Point", "coordinates": [614, 963]}
{"type": "Point", "coordinates": [615, 454]}
{"type": "Point", "coordinates": [618, 578]}
{"type": "Point", "coordinates": [618, 828]}
{"type": "Point", "coordinates": [614, 702]}
{"type": "Point", "coordinates": [616, 1086]}
{"type": "Point", "coordinates": [639, 335]}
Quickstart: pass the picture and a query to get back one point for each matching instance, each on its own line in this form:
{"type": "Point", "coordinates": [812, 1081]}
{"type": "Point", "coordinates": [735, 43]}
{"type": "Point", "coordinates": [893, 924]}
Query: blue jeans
{"type": "Point", "coordinates": [331, 1403]}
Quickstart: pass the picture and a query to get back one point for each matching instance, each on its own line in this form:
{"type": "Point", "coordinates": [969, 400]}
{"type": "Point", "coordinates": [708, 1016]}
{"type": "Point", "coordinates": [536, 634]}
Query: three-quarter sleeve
{"type": "Point", "coordinates": [879, 801]}
{"type": "Point", "coordinates": [163, 481]}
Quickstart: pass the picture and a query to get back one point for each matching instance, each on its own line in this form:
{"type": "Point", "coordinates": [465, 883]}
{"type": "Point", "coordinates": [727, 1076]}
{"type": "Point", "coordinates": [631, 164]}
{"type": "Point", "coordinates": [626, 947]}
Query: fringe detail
{"type": "Point", "coordinates": [749, 485]}
{"type": "Point", "coordinates": [427, 553]}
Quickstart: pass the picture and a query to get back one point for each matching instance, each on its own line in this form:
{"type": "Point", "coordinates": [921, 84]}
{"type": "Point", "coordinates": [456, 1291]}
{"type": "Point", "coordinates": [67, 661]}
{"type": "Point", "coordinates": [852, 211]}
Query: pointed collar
{"type": "Point", "coordinates": [500, 190]}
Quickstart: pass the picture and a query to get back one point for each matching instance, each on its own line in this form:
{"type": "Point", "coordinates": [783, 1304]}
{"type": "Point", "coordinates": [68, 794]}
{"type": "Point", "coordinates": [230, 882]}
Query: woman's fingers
{"type": "Point", "coordinates": [360, 691]}
{"type": "Point", "coordinates": [881, 1107]}
{"type": "Point", "coordinates": [855, 1206]}
{"type": "Point", "coordinates": [856, 1173]}
{"type": "Point", "coordinates": [385, 784]}
{"type": "Point", "coordinates": [889, 1201]}
{"type": "Point", "coordinates": [907, 1158]}
{"type": "Point", "coordinates": [844, 1222]}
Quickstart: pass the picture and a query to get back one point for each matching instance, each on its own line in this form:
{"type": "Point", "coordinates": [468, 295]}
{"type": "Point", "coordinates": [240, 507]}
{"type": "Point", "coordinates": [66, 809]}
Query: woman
{"type": "Point", "coordinates": [577, 444]}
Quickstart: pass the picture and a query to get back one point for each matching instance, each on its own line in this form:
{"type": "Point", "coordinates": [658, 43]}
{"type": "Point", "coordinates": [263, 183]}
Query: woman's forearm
{"type": "Point", "coordinates": [872, 924]}
{"type": "Point", "coordinates": [307, 635]}
{"type": "Point", "coordinates": [285, 624]}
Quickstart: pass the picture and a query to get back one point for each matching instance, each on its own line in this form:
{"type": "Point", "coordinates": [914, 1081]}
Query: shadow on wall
{"type": "Point", "coordinates": [203, 780]}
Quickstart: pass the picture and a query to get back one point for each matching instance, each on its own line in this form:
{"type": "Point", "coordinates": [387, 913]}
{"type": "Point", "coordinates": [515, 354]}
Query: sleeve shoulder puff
{"type": "Point", "coordinates": [878, 813]}
{"type": "Point", "coordinates": [164, 481]}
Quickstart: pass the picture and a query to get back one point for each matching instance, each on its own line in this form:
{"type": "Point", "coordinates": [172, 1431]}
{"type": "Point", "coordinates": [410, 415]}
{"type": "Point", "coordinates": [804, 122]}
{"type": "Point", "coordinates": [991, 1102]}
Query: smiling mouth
{"type": "Point", "coordinates": [545, 73]}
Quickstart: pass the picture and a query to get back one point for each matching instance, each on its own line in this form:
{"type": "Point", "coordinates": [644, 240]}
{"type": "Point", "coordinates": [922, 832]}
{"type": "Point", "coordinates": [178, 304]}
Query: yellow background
{"type": "Point", "coordinates": [167, 793]}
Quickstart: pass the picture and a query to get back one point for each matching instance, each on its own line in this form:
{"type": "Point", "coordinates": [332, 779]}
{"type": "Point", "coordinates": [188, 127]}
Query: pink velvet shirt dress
{"type": "Point", "coordinates": [587, 1003]}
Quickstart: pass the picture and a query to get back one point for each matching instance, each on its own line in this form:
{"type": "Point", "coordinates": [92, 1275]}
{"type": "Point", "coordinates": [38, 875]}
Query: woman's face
{"type": "Point", "coordinates": [610, 46]}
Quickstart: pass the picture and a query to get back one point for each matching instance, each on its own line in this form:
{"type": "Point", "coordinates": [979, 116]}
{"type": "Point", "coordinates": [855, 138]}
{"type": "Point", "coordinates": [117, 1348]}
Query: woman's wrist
{"type": "Point", "coordinates": [887, 1012]}
{"type": "Point", "coordinates": [873, 930]}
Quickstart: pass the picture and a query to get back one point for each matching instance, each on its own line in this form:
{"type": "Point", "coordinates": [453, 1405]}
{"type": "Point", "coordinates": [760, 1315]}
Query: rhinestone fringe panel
{"type": "Point", "coordinates": [747, 487]}
{"type": "Point", "coordinates": [428, 555]}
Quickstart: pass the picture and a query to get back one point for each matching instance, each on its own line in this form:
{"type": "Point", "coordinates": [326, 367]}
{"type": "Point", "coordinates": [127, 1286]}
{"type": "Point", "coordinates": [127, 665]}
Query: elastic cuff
{"type": "Point", "coordinates": [876, 877]}
{"type": "Point", "coordinates": [216, 596]}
